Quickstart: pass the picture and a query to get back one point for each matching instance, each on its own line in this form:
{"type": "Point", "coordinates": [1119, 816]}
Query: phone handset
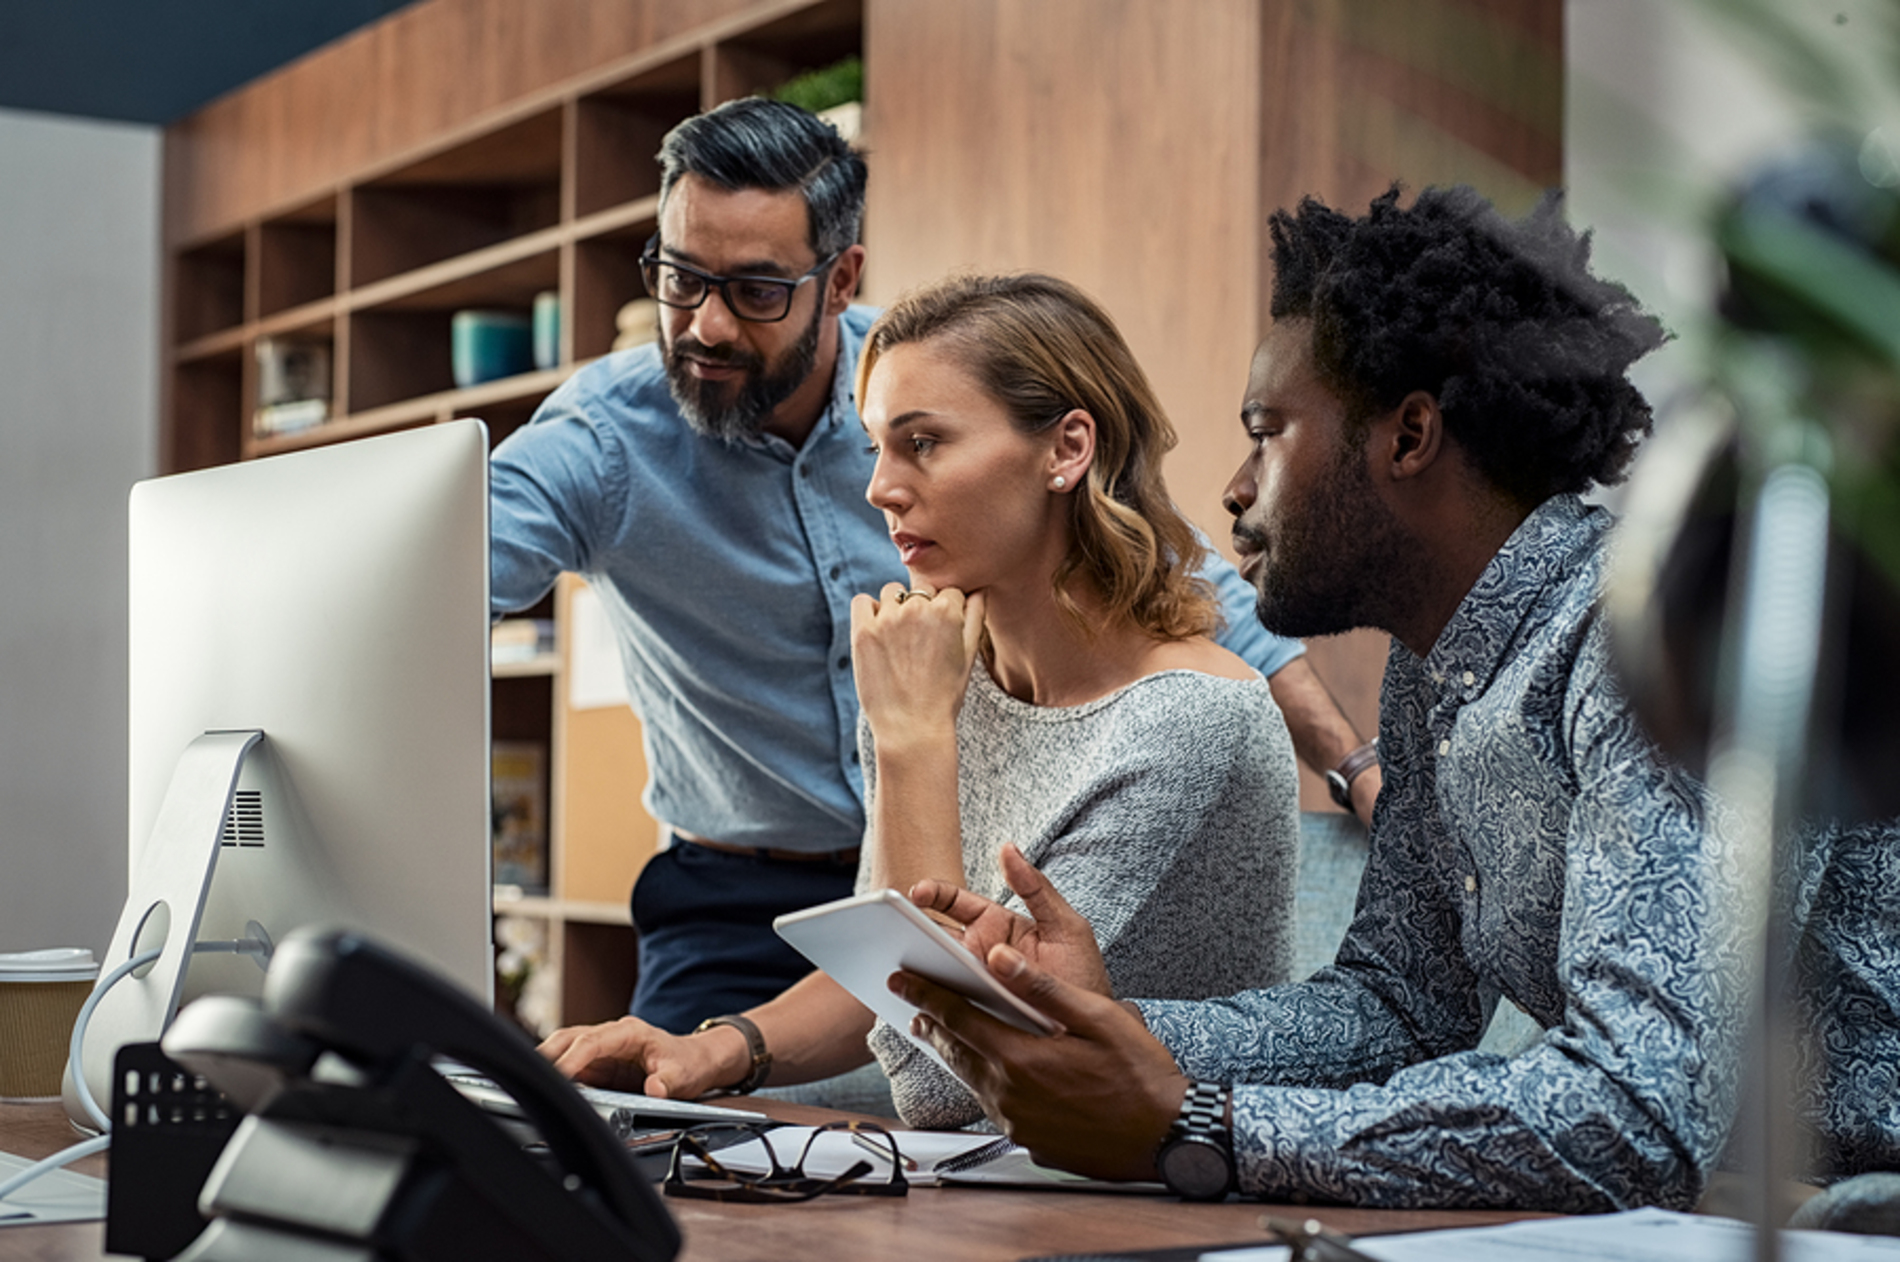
{"type": "Point", "coordinates": [334, 1067]}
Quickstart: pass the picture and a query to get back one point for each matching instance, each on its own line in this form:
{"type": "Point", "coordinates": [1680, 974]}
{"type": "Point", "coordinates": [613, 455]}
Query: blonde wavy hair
{"type": "Point", "coordinates": [1041, 348]}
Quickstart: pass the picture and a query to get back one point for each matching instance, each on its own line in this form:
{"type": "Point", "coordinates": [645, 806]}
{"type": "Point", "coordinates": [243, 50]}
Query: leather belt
{"type": "Point", "coordinates": [837, 858]}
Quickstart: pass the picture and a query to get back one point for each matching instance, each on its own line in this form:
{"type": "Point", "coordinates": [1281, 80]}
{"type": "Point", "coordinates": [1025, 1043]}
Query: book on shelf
{"type": "Point", "coordinates": [519, 776]}
{"type": "Point", "coordinates": [520, 640]}
{"type": "Point", "coordinates": [289, 418]}
{"type": "Point", "coordinates": [293, 385]}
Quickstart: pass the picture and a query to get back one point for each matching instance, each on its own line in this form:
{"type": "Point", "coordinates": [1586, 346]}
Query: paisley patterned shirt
{"type": "Point", "coordinates": [1528, 844]}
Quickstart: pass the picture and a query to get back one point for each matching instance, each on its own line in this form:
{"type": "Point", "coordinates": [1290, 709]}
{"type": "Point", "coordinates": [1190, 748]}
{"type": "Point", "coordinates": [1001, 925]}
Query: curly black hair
{"type": "Point", "coordinates": [1502, 322]}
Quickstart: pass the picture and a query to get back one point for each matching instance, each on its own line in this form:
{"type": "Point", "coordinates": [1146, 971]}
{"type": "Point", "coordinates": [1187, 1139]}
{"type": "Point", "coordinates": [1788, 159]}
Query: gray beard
{"type": "Point", "coordinates": [705, 404]}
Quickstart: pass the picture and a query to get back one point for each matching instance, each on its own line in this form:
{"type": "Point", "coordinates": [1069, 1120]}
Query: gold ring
{"type": "Point", "coordinates": [904, 596]}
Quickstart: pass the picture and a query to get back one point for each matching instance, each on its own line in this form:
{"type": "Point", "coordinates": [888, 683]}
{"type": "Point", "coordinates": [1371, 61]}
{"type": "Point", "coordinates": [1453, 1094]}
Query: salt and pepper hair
{"type": "Point", "coordinates": [1042, 348]}
{"type": "Point", "coordinates": [763, 144]}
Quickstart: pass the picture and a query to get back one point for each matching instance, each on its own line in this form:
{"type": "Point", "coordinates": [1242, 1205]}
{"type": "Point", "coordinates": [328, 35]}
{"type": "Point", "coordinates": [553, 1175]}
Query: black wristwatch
{"type": "Point", "coordinates": [1339, 779]}
{"type": "Point", "coordinates": [1197, 1158]}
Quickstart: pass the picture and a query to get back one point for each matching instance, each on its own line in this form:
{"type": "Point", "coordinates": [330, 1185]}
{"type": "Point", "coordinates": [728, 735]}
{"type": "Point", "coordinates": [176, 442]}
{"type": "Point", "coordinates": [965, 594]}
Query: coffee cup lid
{"type": "Point", "coordinates": [55, 964]}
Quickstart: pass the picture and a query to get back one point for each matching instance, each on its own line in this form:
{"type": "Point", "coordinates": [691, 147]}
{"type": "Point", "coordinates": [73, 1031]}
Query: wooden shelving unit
{"type": "Point", "coordinates": [558, 193]}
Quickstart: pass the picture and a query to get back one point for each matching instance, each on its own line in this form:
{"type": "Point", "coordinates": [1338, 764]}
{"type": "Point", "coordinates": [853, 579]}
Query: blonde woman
{"type": "Point", "coordinates": [1046, 680]}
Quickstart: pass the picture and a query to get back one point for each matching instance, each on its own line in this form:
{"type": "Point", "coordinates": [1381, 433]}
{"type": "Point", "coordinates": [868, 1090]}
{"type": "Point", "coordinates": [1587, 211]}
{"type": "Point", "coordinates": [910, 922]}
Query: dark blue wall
{"type": "Point", "coordinates": [152, 61]}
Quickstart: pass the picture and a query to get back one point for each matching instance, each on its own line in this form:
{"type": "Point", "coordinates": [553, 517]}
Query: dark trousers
{"type": "Point", "coordinates": [705, 922]}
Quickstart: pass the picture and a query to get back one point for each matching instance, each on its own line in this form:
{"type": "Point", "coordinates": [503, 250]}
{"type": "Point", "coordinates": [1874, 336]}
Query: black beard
{"type": "Point", "coordinates": [705, 404]}
{"type": "Point", "coordinates": [1336, 563]}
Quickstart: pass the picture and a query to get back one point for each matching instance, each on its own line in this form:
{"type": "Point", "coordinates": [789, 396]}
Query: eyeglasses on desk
{"type": "Point", "coordinates": [712, 1180]}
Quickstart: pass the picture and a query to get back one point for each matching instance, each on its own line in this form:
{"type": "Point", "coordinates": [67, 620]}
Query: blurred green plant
{"type": "Point", "coordinates": [1798, 355]}
{"type": "Point", "coordinates": [819, 90]}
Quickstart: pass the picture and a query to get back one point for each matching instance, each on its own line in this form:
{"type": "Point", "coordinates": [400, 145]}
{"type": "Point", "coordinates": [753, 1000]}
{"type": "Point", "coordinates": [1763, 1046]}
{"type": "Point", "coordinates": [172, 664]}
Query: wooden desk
{"type": "Point", "coordinates": [977, 1224]}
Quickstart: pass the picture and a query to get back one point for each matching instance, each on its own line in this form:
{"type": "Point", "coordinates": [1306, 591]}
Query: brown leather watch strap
{"type": "Point", "coordinates": [755, 1043]}
{"type": "Point", "coordinates": [1339, 779]}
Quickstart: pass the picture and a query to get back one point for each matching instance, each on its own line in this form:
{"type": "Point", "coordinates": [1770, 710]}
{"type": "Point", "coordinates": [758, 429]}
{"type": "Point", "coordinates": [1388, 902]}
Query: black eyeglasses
{"type": "Point", "coordinates": [780, 1184]}
{"type": "Point", "coordinates": [757, 299]}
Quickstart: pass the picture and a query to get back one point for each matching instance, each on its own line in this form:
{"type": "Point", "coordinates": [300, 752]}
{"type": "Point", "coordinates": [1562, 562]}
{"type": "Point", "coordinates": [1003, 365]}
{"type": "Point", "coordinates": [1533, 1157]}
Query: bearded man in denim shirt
{"type": "Point", "coordinates": [1437, 388]}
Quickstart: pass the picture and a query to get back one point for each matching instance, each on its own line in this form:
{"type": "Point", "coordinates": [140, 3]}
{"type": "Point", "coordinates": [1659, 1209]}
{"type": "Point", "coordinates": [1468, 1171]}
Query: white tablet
{"type": "Point", "coordinates": [861, 941]}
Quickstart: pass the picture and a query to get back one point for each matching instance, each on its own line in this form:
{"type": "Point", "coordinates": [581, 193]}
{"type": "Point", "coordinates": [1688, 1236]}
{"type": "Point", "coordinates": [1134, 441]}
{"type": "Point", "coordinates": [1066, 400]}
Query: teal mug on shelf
{"type": "Point", "coordinates": [487, 344]}
{"type": "Point", "coordinates": [547, 329]}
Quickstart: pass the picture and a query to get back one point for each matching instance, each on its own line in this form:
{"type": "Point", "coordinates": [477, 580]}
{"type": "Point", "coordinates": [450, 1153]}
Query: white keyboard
{"type": "Point", "coordinates": [625, 1111]}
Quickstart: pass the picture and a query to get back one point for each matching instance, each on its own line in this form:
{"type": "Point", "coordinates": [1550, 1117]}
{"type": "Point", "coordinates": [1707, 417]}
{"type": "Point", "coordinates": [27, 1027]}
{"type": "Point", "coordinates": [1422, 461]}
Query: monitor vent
{"type": "Point", "coordinates": [244, 822]}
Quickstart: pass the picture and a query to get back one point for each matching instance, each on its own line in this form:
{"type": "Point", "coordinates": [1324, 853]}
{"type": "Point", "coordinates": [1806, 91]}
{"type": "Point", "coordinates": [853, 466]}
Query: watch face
{"type": "Point", "coordinates": [1195, 1168]}
{"type": "Point", "coordinates": [1341, 791]}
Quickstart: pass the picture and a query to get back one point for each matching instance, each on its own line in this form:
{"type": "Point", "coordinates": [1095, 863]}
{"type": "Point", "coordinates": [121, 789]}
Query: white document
{"type": "Point", "coordinates": [1014, 1169]}
{"type": "Point", "coordinates": [57, 1197]}
{"type": "Point", "coordinates": [1639, 1235]}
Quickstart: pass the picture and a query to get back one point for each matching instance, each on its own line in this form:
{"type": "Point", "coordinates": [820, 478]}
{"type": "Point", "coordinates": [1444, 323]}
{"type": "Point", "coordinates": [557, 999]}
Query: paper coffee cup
{"type": "Point", "coordinates": [41, 993]}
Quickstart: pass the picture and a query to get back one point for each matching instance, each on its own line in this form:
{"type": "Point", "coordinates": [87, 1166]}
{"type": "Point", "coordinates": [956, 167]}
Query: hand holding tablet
{"type": "Point", "coordinates": [861, 941]}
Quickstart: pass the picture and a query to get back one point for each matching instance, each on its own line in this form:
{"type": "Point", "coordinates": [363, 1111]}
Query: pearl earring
{"type": "Point", "coordinates": [1060, 482]}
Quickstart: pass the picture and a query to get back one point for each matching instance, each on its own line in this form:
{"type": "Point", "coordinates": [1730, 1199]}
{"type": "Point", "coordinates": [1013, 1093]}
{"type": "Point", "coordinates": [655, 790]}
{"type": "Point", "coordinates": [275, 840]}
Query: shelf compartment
{"type": "Point", "coordinates": [290, 415]}
{"type": "Point", "coordinates": [759, 60]}
{"type": "Point", "coordinates": [296, 258]}
{"type": "Point", "coordinates": [598, 967]}
{"type": "Point", "coordinates": [503, 185]}
{"type": "Point", "coordinates": [207, 411]}
{"type": "Point", "coordinates": [511, 397]}
{"type": "Point", "coordinates": [606, 276]}
{"type": "Point", "coordinates": [468, 279]}
{"type": "Point", "coordinates": [521, 716]}
{"type": "Point", "coordinates": [521, 706]}
{"type": "Point", "coordinates": [618, 132]}
{"type": "Point", "coordinates": [399, 348]}
{"type": "Point", "coordinates": [208, 289]}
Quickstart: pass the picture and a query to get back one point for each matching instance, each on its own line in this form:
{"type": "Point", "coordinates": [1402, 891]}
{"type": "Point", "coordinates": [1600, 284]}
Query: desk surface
{"type": "Point", "coordinates": [978, 1224]}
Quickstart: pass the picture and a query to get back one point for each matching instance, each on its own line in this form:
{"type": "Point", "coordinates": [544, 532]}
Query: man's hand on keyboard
{"type": "Point", "coordinates": [630, 1055]}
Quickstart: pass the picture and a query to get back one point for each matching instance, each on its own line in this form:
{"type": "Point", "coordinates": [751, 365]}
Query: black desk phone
{"type": "Point", "coordinates": [355, 1146]}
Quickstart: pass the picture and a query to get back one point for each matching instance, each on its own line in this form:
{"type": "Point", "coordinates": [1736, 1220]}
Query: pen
{"type": "Point", "coordinates": [974, 1157]}
{"type": "Point", "coordinates": [1311, 1242]}
{"type": "Point", "coordinates": [882, 1152]}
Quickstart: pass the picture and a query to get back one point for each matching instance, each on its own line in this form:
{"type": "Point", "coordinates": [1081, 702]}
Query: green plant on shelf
{"type": "Point", "coordinates": [821, 89]}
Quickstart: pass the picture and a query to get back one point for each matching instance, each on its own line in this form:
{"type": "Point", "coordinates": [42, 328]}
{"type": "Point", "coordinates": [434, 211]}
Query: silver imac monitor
{"type": "Point", "coordinates": [309, 720]}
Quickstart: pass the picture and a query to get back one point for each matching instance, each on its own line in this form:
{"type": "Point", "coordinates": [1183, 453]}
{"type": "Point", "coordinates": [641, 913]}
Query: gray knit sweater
{"type": "Point", "coordinates": [1167, 813]}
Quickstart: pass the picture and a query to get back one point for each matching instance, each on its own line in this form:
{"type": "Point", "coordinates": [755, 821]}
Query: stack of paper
{"type": "Point", "coordinates": [1640, 1235]}
{"type": "Point", "coordinates": [57, 1197]}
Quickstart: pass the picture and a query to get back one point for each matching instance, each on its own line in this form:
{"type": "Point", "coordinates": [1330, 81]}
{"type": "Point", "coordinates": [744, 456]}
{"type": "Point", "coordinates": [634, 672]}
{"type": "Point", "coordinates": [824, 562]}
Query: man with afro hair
{"type": "Point", "coordinates": [1438, 386]}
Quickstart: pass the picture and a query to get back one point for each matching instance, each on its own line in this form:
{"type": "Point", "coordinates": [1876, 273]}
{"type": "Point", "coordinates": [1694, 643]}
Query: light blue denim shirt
{"type": "Point", "coordinates": [1530, 844]}
{"type": "Point", "coordinates": [727, 572]}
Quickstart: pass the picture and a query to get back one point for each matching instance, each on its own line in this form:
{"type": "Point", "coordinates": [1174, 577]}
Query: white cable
{"type": "Point", "coordinates": [98, 1143]}
{"type": "Point", "coordinates": [246, 946]}
{"type": "Point", "coordinates": [84, 1148]}
{"type": "Point", "coordinates": [73, 1065]}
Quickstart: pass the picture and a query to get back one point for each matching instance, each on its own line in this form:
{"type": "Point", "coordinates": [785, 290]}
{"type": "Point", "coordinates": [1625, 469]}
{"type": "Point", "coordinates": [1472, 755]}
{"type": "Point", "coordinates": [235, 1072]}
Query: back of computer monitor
{"type": "Point", "coordinates": [335, 600]}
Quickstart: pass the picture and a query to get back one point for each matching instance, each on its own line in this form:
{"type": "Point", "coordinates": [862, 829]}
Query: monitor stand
{"type": "Point", "coordinates": [163, 908]}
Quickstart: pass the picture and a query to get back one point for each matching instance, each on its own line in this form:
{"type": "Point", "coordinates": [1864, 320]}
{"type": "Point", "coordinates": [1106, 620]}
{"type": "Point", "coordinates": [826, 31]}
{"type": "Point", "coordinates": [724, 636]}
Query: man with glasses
{"type": "Point", "coordinates": [713, 493]}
